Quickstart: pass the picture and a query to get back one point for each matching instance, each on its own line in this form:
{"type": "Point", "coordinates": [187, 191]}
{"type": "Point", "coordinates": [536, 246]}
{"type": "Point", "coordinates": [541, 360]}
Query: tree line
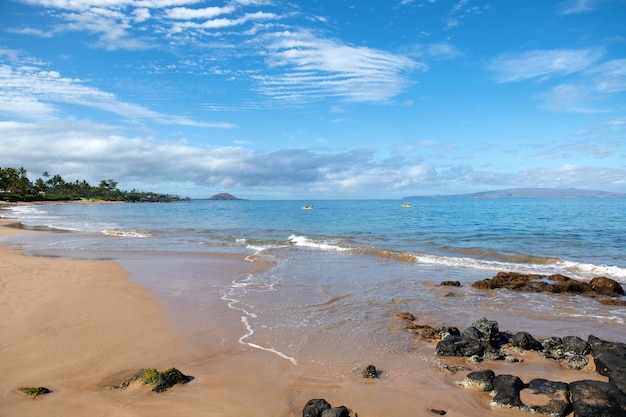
{"type": "Point", "coordinates": [16, 186]}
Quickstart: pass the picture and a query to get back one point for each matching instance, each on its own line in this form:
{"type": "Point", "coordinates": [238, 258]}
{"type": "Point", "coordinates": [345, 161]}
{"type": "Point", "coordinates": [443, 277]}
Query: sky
{"type": "Point", "coordinates": [316, 99]}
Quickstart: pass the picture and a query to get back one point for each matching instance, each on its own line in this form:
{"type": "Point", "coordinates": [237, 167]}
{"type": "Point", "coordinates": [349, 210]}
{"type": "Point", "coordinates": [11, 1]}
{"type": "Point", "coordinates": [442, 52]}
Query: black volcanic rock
{"type": "Point", "coordinates": [597, 399]}
{"type": "Point", "coordinates": [558, 394]}
{"type": "Point", "coordinates": [526, 341]}
{"type": "Point", "coordinates": [458, 346]}
{"type": "Point", "coordinates": [314, 408]}
{"type": "Point", "coordinates": [610, 360]}
{"type": "Point", "coordinates": [482, 380]}
{"type": "Point", "coordinates": [507, 389]}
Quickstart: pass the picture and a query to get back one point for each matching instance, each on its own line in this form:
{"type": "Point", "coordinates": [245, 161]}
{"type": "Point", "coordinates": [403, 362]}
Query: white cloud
{"type": "Point", "coordinates": [29, 92]}
{"type": "Point", "coordinates": [85, 150]}
{"type": "Point", "coordinates": [575, 176]}
{"type": "Point", "coordinates": [591, 91]}
{"type": "Point", "coordinates": [443, 50]}
{"type": "Point", "coordinates": [436, 51]}
{"type": "Point", "coordinates": [254, 2]}
{"type": "Point", "coordinates": [142, 24]}
{"type": "Point", "coordinates": [301, 67]}
{"type": "Point", "coordinates": [20, 106]}
{"type": "Point", "coordinates": [184, 13]}
{"type": "Point", "coordinates": [542, 63]}
{"type": "Point", "coordinates": [569, 98]}
{"type": "Point", "coordinates": [141, 15]}
{"type": "Point", "coordinates": [578, 6]}
{"type": "Point", "coordinates": [610, 77]}
{"type": "Point", "coordinates": [312, 68]}
{"type": "Point", "coordinates": [115, 4]}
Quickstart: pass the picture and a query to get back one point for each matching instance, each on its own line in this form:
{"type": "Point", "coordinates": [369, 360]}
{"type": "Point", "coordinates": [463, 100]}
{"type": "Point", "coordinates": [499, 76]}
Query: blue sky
{"type": "Point", "coordinates": [280, 99]}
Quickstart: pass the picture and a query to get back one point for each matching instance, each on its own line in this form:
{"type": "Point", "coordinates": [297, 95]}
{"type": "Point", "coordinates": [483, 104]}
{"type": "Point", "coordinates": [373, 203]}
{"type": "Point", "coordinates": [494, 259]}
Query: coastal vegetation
{"type": "Point", "coordinates": [15, 186]}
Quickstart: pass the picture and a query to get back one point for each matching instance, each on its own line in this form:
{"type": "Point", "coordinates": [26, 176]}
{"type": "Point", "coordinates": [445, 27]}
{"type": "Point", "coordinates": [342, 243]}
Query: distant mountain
{"type": "Point", "coordinates": [532, 193]}
{"type": "Point", "coordinates": [224, 196]}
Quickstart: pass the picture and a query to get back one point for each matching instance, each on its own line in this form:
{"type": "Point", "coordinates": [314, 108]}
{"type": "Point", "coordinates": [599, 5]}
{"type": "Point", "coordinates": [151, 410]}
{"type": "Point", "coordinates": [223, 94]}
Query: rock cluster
{"type": "Point", "coordinates": [483, 340]}
{"type": "Point", "coordinates": [586, 398]}
{"type": "Point", "coordinates": [557, 284]}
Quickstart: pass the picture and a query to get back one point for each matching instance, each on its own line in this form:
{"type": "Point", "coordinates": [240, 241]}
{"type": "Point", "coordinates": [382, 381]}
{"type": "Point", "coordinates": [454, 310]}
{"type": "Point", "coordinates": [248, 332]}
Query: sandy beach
{"type": "Point", "coordinates": [79, 327]}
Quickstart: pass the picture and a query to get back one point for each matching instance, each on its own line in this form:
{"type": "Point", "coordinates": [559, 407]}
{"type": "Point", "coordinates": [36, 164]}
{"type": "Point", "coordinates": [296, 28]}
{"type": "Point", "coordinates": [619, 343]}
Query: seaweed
{"type": "Point", "coordinates": [34, 391]}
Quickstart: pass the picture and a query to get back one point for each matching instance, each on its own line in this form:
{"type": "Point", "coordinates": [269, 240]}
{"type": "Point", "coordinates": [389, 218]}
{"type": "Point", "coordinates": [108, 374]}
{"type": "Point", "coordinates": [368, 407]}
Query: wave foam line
{"type": "Point", "coordinates": [598, 270]}
{"type": "Point", "coordinates": [522, 263]}
{"type": "Point", "coordinates": [569, 268]}
{"type": "Point", "coordinates": [303, 241]}
{"type": "Point", "coordinates": [121, 233]}
{"type": "Point", "coordinates": [246, 322]}
{"type": "Point", "coordinates": [547, 266]}
{"type": "Point", "coordinates": [250, 331]}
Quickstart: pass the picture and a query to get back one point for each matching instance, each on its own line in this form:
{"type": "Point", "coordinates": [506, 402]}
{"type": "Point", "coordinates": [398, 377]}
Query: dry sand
{"type": "Point", "coordinates": [79, 327]}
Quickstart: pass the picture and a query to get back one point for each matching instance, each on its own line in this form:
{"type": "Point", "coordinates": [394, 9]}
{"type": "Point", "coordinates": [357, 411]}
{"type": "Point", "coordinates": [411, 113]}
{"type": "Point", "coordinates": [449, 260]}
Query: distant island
{"type": "Point", "coordinates": [224, 196]}
{"type": "Point", "coordinates": [531, 193]}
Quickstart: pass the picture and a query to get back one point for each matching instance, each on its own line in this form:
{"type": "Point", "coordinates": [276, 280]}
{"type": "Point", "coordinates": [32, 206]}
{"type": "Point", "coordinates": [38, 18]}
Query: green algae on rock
{"type": "Point", "coordinates": [161, 381]}
{"type": "Point", "coordinates": [34, 391]}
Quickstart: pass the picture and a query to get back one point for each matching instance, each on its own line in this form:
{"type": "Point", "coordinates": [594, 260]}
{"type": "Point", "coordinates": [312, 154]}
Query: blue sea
{"type": "Point", "coordinates": [342, 270]}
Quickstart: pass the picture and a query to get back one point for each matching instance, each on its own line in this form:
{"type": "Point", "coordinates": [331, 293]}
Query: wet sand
{"type": "Point", "coordinates": [79, 327]}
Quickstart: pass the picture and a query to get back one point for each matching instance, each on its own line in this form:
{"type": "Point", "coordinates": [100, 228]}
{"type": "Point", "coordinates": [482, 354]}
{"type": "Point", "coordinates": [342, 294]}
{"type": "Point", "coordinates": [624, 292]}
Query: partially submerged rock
{"type": "Point", "coordinates": [161, 381]}
{"type": "Point", "coordinates": [506, 390]}
{"type": "Point", "coordinates": [557, 399]}
{"type": "Point", "coordinates": [556, 284]}
{"type": "Point", "coordinates": [405, 316]}
{"type": "Point", "coordinates": [370, 372]}
{"type": "Point", "coordinates": [483, 340]}
{"type": "Point", "coordinates": [606, 286]}
{"type": "Point", "coordinates": [482, 380]}
{"type": "Point", "coordinates": [552, 398]}
{"type": "Point", "coordinates": [558, 394]}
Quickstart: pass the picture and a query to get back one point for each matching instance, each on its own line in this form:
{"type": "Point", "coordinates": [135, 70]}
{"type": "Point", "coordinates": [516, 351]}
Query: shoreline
{"type": "Point", "coordinates": [80, 326]}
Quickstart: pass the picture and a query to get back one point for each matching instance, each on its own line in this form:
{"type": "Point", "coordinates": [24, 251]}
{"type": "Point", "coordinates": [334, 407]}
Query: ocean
{"type": "Point", "coordinates": [342, 270]}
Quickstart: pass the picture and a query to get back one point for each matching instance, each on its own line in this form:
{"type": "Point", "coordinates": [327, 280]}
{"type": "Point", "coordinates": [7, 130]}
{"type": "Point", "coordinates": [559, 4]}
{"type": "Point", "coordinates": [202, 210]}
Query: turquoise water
{"type": "Point", "coordinates": [581, 237]}
{"type": "Point", "coordinates": [345, 268]}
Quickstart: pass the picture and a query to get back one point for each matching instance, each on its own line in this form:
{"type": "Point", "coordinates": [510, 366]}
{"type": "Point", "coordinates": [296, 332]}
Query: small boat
{"type": "Point", "coordinates": [307, 207]}
{"type": "Point", "coordinates": [405, 205]}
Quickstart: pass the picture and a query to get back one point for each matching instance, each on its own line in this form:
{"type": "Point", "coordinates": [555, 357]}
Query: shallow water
{"type": "Point", "coordinates": [343, 270]}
